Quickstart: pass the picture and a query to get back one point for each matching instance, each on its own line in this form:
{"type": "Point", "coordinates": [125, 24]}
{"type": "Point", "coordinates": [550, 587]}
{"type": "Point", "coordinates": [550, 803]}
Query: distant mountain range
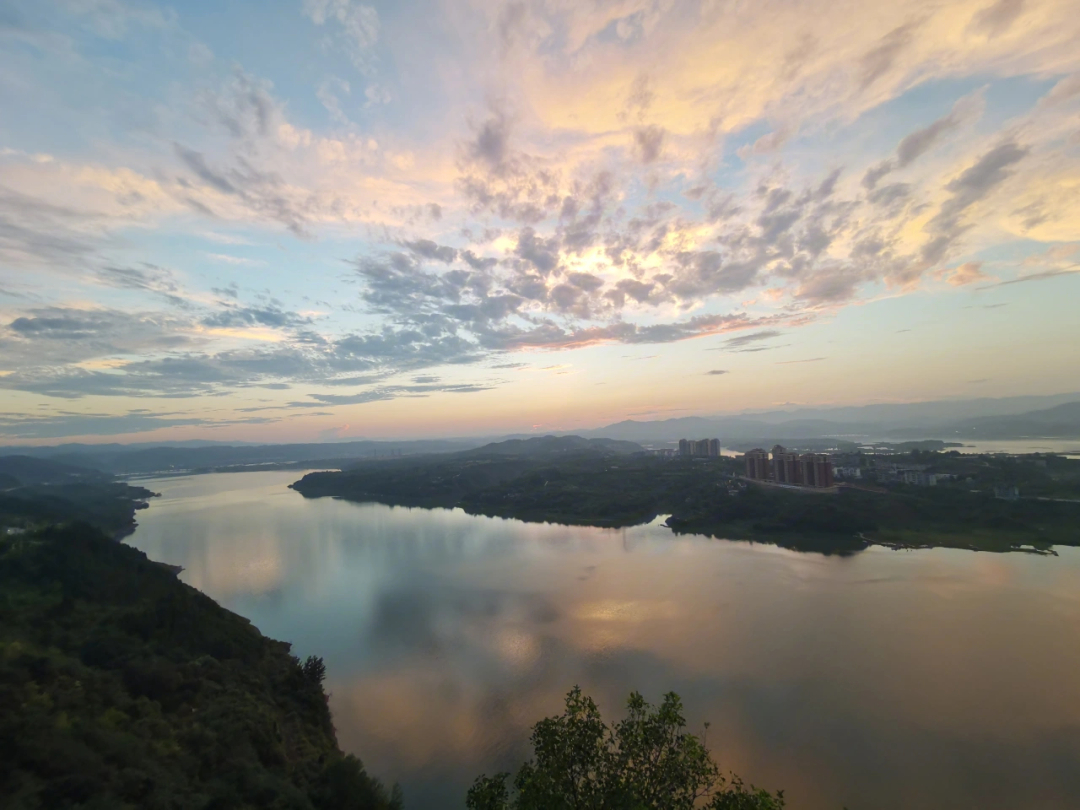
{"type": "Point", "coordinates": [949, 421]}
{"type": "Point", "coordinates": [542, 446]}
{"type": "Point", "coordinates": [144, 459]}
{"type": "Point", "coordinates": [25, 471]}
{"type": "Point", "coordinates": [1029, 417]}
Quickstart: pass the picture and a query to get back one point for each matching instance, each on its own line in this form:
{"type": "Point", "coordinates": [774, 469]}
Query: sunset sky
{"type": "Point", "coordinates": [300, 220]}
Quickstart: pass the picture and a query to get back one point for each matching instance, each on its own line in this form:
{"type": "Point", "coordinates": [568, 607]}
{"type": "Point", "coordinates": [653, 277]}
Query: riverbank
{"type": "Point", "coordinates": [705, 497]}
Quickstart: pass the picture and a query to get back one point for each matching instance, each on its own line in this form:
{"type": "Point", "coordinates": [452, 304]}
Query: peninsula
{"type": "Point", "coordinates": [578, 481]}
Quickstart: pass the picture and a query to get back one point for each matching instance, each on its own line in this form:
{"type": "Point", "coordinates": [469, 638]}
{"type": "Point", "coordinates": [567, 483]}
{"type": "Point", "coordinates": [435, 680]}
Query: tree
{"type": "Point", "coordinates": [314, 669]}
{"type": "Point", "coordinates": [646, 762]}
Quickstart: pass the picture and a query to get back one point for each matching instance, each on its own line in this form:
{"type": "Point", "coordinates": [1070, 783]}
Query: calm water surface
{"type": "Point", "coordinates": [929, 679]}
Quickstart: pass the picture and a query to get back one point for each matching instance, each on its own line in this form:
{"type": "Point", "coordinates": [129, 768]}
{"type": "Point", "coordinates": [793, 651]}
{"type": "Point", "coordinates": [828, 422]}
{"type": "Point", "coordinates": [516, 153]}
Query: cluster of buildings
{"type": "Point", "coordinates": [661, 452]}
{"type": "Point", "coordinates": [804, 470]}
{"type": "Point", "coordinates": [701, 448]}
{"type": "Point", "coordinates": [916, 475]}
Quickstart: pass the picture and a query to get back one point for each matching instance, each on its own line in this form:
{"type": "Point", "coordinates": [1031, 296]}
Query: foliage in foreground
{"type": "Point", "coordinates": [645, 762]}
{"type": "Point", "coordinates": [122, 687]}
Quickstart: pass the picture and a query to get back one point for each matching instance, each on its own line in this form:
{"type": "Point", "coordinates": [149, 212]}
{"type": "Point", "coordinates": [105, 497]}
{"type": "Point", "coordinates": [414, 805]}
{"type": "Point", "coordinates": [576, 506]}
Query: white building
{"type": "Point", "coordinates": [919, 478]}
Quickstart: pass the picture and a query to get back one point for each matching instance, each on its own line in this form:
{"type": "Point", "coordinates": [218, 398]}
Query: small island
{"type": "Point", "coordinates": [599, 482]}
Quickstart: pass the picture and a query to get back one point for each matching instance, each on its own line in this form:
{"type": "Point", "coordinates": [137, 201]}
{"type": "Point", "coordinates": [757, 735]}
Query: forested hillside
{"type": "Point", "coordinates": [122, 687]}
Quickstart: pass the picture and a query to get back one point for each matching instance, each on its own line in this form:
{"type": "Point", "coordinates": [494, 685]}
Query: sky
{"type": "Point", "coordinates": [309, 220]}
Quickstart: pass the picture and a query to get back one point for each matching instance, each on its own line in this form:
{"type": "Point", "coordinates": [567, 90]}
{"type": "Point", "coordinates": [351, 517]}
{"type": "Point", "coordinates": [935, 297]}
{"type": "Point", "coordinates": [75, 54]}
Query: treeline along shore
{"type": "Point", "coordinates": [35, 493]}
{"type": "Point", "coordinates": [602, 483]}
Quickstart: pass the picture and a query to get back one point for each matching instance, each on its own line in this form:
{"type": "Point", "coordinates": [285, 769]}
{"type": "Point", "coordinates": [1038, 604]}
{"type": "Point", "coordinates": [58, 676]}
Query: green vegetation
{"type": "Point", "coordinates": [1039, 475]}
{"type": "Point", "coordinates": [646, 762]}
{"type": "Point", "coordinates": [110, 506]}
{"type": "Point", "coordinates": [122, 687]}
{"type": "Point", "coordinates": [38, 492]}
{"type": "Point", "coordinates": [598, 487]}
{"type": "Point", "coordinates": [904, 516]}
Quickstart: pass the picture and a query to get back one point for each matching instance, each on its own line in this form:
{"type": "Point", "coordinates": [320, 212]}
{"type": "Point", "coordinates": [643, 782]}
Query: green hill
{"type": "Point", "coordinates": [122, 687]}
{"type": "Point", "coordinates": [28, 470]}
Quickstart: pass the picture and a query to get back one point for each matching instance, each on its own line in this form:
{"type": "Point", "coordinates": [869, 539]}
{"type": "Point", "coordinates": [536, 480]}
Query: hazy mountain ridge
{"type": "Point", "coordinates": [554, 445]}
{"type": "Point", "coordinates": [1061, 420]}
{"type": "Point", "coordinates": [26, 470]}
{"type": "Point", "coordinates": [952, 420]}
{"type": "Point", "coordinates": [156, 459]}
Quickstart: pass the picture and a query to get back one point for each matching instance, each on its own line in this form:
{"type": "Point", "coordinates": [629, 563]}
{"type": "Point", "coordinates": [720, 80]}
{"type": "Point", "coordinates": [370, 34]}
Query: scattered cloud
{"type": "Point", "coordinates": [238, 260]}
{"type": "Point", "coordinates": [740, 342]}
{"type": "Point", "coordinates": [1044, 276]}
{"type": "Point", "coordinates": [357, 24]}
{"type": "Point", "coordinates": [967, 273]}
{"type": "Point", "coordinates": [56, 426]}
{"type": "Point", "coordinates": [642, 176]}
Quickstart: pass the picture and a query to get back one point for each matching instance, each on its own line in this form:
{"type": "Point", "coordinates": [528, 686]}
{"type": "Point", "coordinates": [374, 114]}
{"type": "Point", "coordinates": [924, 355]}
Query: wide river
{"type": "Point", "coordinates": [888, 679]}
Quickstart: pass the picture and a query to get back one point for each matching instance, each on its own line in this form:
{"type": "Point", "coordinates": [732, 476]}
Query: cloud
{"type": "Point", "coordinates": [794, 362]}
{"type": "Point", "coordinates": [975, 182]}
{"type": "Point", "coordinates": [970, 187]}
{"type": "Point", "coordinates": [996, 19]}
{"type": "Point", "coordinates": [25, 426]}
{"type": "Point", "coordinates": [358, 23]}
{"type": "Point", "coordinates": [328, 94]}
{"type": "Point", "coordinates": [921, 141]}
{"type": "Point", "coordinates": [1044, 276]}
{"type": "Point", "coordinates": [491, 145]}
{"type": "Point", "coordinates": [61, 336]}
{"type": "Point", "coordinates": [541, 253]}
{"type": "Point", "coordinates": [716, 371]}
{"type": "Point", "coordinates": [388, 392]}
{"type": "Point", "coordinates": [740, 342]}
{"type": "Point", "coordinates": [114, 20]}
{"type": "Point", "coordinates": [147, 278]}
{"type": "Point", "coordinates": [72, 353]}
{"type": "Point", "coordinates": [881, 58]}
{"type": "Point", "coordinates": [36, 232]}
{"type": "Point", "coordinates": [237, 260]}
{"type": "Point", "coordinates": [430, 250]}
{"type": "Point", "coordinates": [876, 172]}
{"type": "Point", "coordinates": [649, 142]}
{"type": "Point", "coordinates": [271, 316]}
{"type": "Point", "coordinates": [967, 273]}
{"type": "Point", "coordinates": [596, 198]}
{"type": "Point", "coordinates": [833, 285]}
{"type": "Point", "coordinates": [263, 192]}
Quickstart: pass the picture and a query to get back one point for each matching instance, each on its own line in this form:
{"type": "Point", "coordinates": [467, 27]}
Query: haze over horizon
{"type": "Point", "coordinates": [315, 219]}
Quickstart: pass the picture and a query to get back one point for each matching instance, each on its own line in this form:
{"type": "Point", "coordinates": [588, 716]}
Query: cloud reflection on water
{"type": "Point", "coordinates": [886, 679]}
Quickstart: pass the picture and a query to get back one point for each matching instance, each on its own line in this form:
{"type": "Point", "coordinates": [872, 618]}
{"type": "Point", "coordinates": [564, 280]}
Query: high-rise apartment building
{"type": "Point", "coordinates": [823, 473]}
{"type": "Point", "coordinates": [785, 467]}
{"type": "Point", "coordinates": [757, 465]}
{"type": "Point", "coordinates": [701, 448]}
